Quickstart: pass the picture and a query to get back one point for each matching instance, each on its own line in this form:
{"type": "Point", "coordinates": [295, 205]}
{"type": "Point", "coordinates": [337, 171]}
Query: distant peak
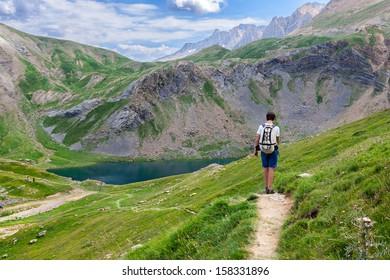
{"type": "Point", "coordinates": [311, 8]}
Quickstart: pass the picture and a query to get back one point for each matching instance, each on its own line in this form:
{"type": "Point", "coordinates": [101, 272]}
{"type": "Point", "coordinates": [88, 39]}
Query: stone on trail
{"type": "Point", "coordinates": [136, 247]}
{"type": "Point", "coordinates": [32, 241]}
{"type": "Point", "coordinates": [304, 175]}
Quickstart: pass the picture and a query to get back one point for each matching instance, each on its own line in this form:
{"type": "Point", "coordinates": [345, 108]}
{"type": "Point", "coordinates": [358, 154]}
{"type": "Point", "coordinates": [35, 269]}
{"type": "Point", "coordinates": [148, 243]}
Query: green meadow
{"type": "Point", "coordinates": [211, 213]}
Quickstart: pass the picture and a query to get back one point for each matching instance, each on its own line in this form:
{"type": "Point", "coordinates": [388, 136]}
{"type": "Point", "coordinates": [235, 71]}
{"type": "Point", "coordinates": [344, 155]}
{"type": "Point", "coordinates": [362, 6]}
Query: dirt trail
{"type": "Point", "coordinates": [35, 207]}
{"type": "Point", "coordinates": [273, 211]}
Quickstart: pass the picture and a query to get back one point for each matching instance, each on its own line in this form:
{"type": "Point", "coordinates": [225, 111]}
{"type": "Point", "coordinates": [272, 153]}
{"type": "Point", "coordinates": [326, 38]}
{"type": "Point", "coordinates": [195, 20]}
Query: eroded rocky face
{"type": "Point", "coordinates": [315, 89]}
{"type": "Point", "coordinates": [190, 109]}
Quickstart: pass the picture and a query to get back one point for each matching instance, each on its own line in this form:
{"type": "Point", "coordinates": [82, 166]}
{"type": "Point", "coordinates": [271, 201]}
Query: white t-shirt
{"type": "Point", "coordinates": [276, 128]}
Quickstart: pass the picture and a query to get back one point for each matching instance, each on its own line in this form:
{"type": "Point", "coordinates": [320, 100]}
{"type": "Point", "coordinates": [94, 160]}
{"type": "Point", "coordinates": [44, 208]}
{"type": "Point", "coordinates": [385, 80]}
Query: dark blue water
{"type": "Point", "coordinates": [120, 173]}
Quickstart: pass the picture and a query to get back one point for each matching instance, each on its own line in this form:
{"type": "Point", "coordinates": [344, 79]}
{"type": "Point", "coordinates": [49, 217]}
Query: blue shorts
{"type": "Point", "coordinates": [270, 160]}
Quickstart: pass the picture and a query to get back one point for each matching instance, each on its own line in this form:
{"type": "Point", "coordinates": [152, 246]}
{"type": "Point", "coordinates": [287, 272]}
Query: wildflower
{"type": "Point", "coordinates": [367, 222]}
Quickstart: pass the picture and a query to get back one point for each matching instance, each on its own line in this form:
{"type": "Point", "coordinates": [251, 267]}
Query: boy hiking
{"type": "Point", "coordinates": [267, 141]}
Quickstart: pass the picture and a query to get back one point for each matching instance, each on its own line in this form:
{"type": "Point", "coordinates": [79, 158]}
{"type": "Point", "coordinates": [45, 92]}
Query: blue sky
{"type": "Point", "coordinates": [143, 30]}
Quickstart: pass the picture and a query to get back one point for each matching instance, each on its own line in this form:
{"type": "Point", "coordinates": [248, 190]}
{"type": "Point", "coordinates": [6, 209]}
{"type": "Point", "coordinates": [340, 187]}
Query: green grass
{"type": "Point", "coordinates": [211, 94]}
{"type": "Point", "coordinates": [207, 148]}
{"type": "Point", "coordinates": [75, 129]}
{"type": "Point", "coordinates": [60, 156]}
{"type": "Point", "coordinates": [320, 92]}
{"type": "Point", "coordinates": [222, 229]}
{"type": "Point", "coordinates": [210, 54]}
{"type": "Point", "coordinates": [351, 180]}
{"type": "Point", "coordinates": [254, 89]}
{"type": "Point", "coordinates": [208, 210]}
{"type": "Point", "coordinates": [33, 80]}
{"type": "Point", "coordinates": [162, 117]}
{"type": "Point", "coordinates": [261, 49]}
{"type": "Point", "coordinates": [276, 86]}
{"type": "Point", "coordinates": [15, 141]}
{"type": "Point", "coordinates": [350, 17]}
{"type": "Point", "coordinates": [113, 221]}
{"type": "Point", "coordinates": [23, 181]}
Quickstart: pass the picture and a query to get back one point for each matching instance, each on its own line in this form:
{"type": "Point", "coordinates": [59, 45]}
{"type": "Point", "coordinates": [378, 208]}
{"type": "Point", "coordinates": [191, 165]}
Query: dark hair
{"type": "Point", "coordinates": [271, 116]}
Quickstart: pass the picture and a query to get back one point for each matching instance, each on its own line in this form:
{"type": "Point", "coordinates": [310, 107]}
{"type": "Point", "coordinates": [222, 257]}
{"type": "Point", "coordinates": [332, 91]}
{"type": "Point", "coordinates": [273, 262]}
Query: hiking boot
{"type": "Point", "coordinates": [269, 191]}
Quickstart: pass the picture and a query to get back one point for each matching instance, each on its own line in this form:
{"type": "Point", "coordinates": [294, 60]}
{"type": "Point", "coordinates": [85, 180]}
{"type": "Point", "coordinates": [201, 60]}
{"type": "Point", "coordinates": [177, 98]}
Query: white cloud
{"type": "Point", "coordinates": [136, 9]}
{"type": "Point", "coordinates": [20, 9]}
{"type": "Point", "coordinates": [7, 8]}
{"type": "Point", "coordinates": [199, 6]}
{"type": "Point", "coordinates": [109, 24]}
{"type": "Point", "coordinates": [144, 53]}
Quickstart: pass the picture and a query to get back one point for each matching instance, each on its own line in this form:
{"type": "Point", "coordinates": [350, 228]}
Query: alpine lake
{"type": "Point", "coordinates": [120, 173]}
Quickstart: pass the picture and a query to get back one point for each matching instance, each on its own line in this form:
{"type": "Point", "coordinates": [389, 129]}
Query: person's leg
{"type": "Point", "coordinates": [265, 163]}
{"type": "Point", "coordinates": [273, 163]}
{"type": "Point", "coordinates": [266, 176]}
{"type": "Point", "coordinates": [270, 179]}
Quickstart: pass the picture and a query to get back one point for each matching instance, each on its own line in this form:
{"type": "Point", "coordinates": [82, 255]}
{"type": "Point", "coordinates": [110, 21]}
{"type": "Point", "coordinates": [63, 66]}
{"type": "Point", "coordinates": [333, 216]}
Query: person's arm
{"type": "Point", "coordinates": [257, 141]}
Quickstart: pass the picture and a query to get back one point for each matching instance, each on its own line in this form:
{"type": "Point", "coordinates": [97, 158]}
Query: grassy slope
{"type": "Point", "coordinates": [208, 55]}
{"type": "Point", "coordinates": [75, 66]}
{"type": "Point", "coordinates": [351, 180]}
{"type": "Point", "coordinates": [112, 221]}
{"type": "Point", "coordinates": [22, 181]}
{"type": "Point", "coordinates": [350, 17]}
{"type": "Point", "coordinates": [350, 167]}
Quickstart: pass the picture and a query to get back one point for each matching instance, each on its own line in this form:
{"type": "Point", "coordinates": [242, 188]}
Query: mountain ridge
{"type": "Point", "coordinates": [70, 98]}
{"type": "Point", "coordinates": [244, 34]}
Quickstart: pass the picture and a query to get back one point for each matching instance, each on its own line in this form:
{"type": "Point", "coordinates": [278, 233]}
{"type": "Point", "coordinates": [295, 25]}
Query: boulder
{"type": "Point", "coordinates": [136, 247]}
{"type": "Point", "coordinates": [32, 241]}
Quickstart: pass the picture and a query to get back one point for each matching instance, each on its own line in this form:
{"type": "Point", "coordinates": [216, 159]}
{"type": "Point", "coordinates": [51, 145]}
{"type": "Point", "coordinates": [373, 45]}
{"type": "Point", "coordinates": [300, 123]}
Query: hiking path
{"type": "Point", "coordinates": [273, 211]}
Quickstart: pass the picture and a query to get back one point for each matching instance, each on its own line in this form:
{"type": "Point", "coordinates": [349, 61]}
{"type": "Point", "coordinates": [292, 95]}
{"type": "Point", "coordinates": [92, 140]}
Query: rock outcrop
{"type": "Point", "coordinates": [79, 111]}
{"type": "Point", "coordinates": [280, 27]}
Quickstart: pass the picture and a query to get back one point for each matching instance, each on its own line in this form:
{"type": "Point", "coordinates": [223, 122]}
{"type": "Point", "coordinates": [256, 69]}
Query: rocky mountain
{"type": "Point", "coordinates": [280, 27]}
{"type": "Point", "coordinates": [62, 96]}
{"type": "Point", "coordinates": [246, 33]}
{"type": "Point", "coordinates": [233, 39]}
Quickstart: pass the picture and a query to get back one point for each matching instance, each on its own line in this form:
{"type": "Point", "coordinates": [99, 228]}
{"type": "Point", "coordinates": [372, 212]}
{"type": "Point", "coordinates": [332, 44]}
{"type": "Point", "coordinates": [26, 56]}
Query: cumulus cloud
{"type": "Point", "coordinates": [199, 6]}
{"type": "Point", "coordinates": [19, 9]}
{"type": "Point", "coordinates": [145, 53]}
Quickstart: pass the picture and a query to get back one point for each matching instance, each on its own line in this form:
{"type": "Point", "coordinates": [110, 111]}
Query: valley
{"type": "Point", "coordinates": [65, 104]}
{"type": "Point", "coordinates": [196, 215]}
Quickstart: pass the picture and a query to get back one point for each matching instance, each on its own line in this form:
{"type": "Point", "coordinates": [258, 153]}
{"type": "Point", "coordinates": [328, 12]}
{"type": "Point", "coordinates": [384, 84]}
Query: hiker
{"type": "Point", "coordinates": [267, 141]}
